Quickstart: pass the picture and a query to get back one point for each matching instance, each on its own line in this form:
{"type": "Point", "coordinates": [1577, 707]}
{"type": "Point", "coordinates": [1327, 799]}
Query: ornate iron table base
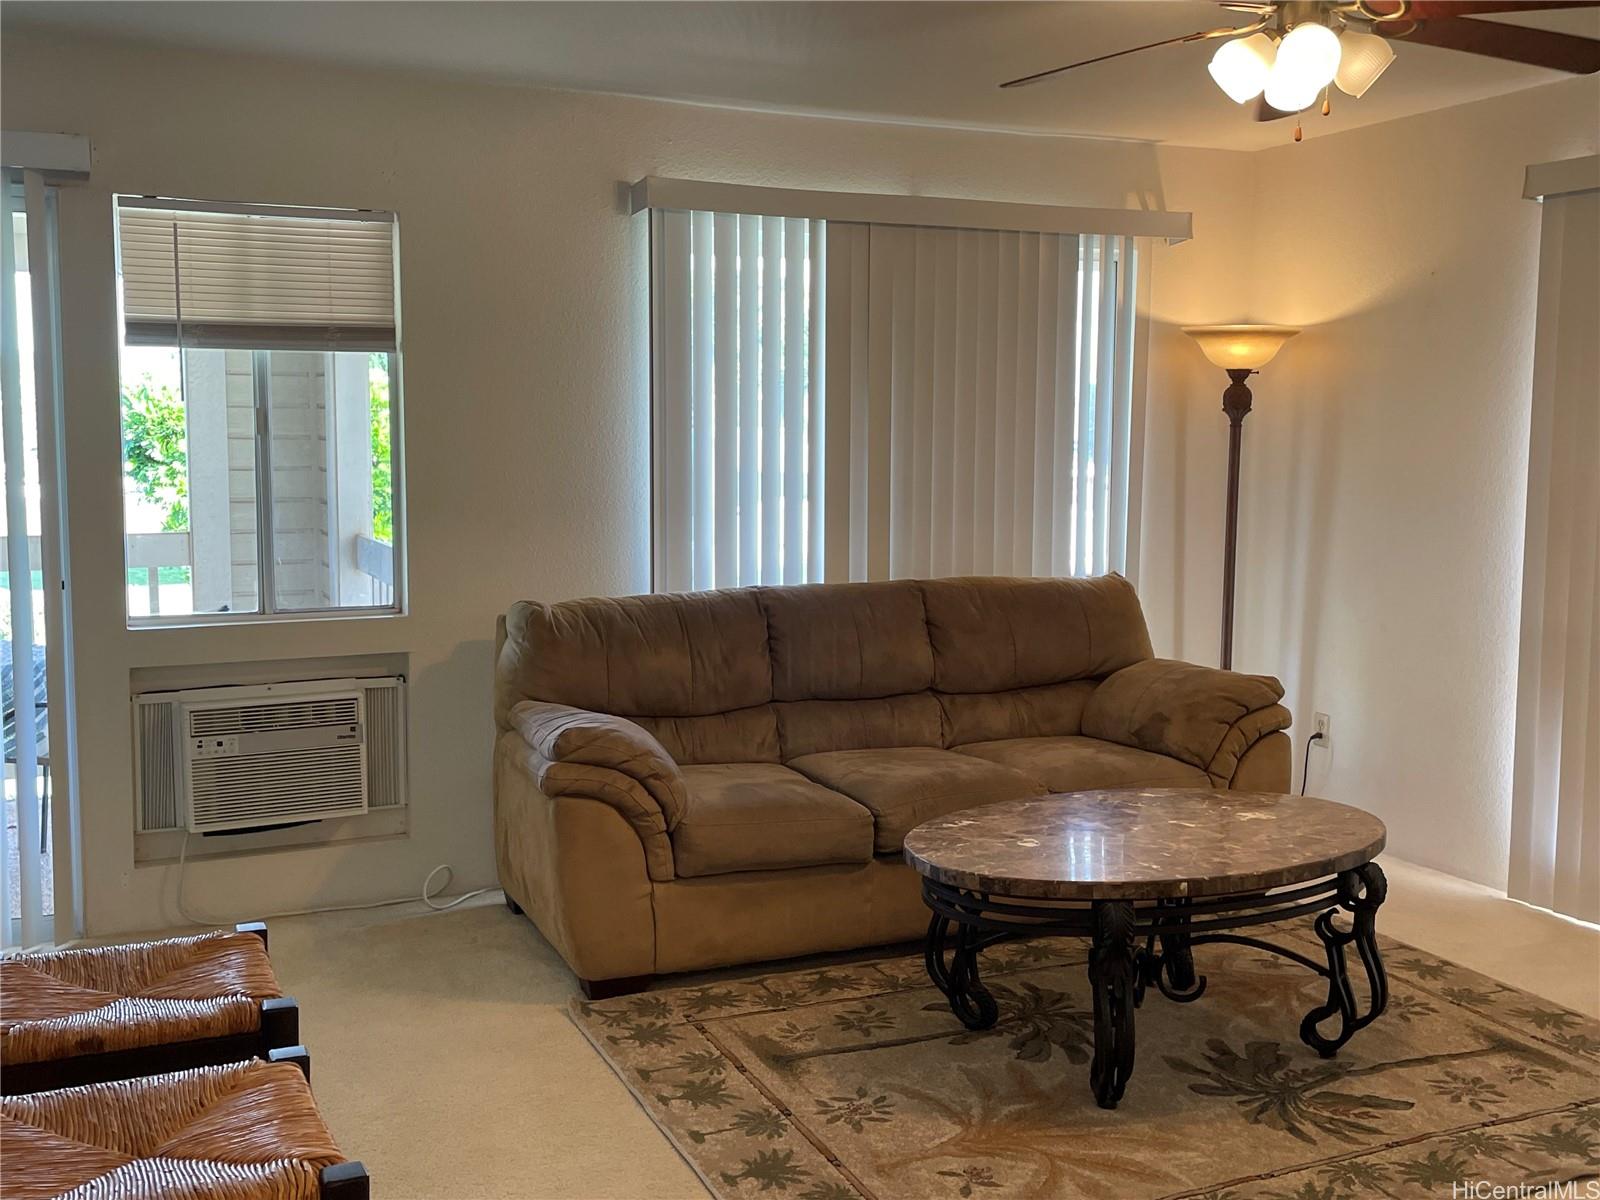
{"type": "Point", "coordinates": [1138, 945]}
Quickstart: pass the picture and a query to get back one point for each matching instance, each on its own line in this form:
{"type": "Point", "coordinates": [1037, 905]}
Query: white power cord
{"type": "Point", "coordinates": [426, 896]}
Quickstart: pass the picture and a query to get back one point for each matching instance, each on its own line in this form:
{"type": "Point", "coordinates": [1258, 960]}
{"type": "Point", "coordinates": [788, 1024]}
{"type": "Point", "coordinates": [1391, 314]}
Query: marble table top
{"type": "Point", "coordinates": [1143, 843]}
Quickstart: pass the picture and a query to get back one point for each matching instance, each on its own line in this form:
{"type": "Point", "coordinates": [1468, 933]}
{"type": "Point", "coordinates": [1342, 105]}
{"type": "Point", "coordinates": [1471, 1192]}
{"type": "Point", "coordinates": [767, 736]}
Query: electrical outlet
{"type": "Point", "coordinates": [1323, 724]}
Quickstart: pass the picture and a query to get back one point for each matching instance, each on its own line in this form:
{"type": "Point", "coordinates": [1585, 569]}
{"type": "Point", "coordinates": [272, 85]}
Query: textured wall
{"type": "Point", "coordinates": [526, 353]}
{"type": "Point", "coordinates": [1387, 456]}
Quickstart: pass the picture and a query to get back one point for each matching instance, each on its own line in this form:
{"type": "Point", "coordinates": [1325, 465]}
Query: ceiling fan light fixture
{"type": "Point", "coordinates": [1363, 57]}
{"type": "Point", "coordinates": [1241, 66]}
{"type": "Point", "coordinates": [1308, 58]}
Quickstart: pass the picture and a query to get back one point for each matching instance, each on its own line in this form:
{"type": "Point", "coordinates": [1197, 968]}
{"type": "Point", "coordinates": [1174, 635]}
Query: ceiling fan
{"type": "Point", "coordinates": [1296, 51]}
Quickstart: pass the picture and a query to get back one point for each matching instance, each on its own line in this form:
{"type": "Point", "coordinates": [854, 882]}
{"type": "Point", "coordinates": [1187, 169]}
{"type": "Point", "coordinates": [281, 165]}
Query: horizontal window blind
{"type": "Point", "coordinates": [256, 279]}
{"type": "Point", "coordinates": [737, 357]}
{"type": "Point", "coordinates": [981, 402]}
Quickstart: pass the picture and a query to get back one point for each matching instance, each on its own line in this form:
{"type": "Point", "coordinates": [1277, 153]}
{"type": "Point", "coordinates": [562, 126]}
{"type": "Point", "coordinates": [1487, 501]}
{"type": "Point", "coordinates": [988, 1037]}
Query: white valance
{"type": "Point", "coordinates": [1566, 177]}
{"type": "Point", "coordinates": [59, 157]}
{"type": "Point", "coordinates": [930, 212]}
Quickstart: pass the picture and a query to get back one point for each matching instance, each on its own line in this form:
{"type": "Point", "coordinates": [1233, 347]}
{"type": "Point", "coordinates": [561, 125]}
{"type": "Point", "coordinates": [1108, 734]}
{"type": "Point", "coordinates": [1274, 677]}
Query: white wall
{"type": "Point", "coordinates": [1386, 460]}
{"type": "Point", "coordinates": [525, 371]}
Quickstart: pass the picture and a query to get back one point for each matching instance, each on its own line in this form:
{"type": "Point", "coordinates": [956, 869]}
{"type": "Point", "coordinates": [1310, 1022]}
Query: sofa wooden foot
{"type": "Point", "coordinates": [605, 989]}
{"type": "Point", "coordinates": [512, 904]}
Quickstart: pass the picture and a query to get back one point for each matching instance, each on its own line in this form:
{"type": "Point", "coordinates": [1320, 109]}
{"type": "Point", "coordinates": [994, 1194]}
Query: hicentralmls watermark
{"type": "Point", "coordinates": [1482, 1189]}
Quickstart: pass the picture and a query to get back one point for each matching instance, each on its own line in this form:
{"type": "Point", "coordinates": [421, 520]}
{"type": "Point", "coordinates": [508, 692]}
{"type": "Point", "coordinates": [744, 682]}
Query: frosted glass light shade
{"type": "Point", "coordinates": [1240, 66]}
{"type": "Point", "coordinates": [1363, 57]}
{"type": "Point", "coordinates": [1240, 347]}
{"type": "Point", "coordinates": [1307, 60]}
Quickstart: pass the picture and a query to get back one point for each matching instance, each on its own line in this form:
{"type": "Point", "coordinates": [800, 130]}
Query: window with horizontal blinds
{"type": "Point", "coordinates": [262, 432]}
{"type": "Point", "coordinates": [299, 279]}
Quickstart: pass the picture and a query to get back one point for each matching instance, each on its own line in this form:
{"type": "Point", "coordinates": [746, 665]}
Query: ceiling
{"type": "Point", "coordinates": [927, 63]}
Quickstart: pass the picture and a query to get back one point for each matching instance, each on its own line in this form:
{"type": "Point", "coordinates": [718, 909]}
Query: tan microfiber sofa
{"type": "Point", "coordinates": [688, 781]}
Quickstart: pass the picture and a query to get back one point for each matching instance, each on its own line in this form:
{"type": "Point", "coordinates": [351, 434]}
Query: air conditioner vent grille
{"type": "Point", "coordinates": [386, 757]}
{"type": "Point", "coordinates": [263, 788]}
{"type": "Point", "coordinates": [278, 715]}
{"type": "Point", "coordinates": [160, 804]}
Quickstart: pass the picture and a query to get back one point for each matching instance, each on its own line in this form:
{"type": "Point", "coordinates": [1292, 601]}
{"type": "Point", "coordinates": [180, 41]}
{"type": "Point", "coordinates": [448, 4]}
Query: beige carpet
{"type": "Point", "coordinates": [855, 1081]}
{"type": "Point", "coordinates": [445, 1059]}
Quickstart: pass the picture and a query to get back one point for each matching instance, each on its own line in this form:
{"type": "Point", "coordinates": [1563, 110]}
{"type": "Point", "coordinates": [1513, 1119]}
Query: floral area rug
{"type": "Point", "coordinates": [856, 1081]}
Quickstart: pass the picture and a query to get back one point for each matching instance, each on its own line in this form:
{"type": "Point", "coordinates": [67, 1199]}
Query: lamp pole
{"type": "Point", "coordinates": [1241, 350]}
{"type": "Point", "coordinates": [1236, 403]}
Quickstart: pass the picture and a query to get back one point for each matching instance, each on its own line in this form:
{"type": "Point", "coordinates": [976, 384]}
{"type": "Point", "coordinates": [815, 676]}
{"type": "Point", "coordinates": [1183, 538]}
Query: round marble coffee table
{"type": "Point", "coordinates": [1147, 875]}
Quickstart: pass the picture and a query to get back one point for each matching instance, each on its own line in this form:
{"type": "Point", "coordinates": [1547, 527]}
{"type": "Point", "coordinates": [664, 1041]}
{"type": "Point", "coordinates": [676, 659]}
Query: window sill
{"type": "Point", "coordinates": [236, 620]}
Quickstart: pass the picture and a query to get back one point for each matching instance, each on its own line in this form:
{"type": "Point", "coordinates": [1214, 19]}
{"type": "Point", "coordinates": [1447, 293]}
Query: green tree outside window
{"type": "Point", "coordinates": [155, 449]}
{"type": "Point", "coordinates": [382, 463]}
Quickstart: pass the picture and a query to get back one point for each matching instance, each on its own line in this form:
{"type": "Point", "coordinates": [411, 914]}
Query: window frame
{"type": "Point", "coordinates": [267, 611]}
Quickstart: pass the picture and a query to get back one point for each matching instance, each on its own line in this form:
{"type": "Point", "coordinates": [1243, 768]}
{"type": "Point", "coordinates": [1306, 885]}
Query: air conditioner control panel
{"type": "Point", "coordinates": [215, 747]}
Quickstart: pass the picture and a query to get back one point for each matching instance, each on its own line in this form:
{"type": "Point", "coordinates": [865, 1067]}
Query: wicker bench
{"type": "Point", "coordinates": [242, 1131]}
{"type": "Point", "coordinates": [100, 1013]}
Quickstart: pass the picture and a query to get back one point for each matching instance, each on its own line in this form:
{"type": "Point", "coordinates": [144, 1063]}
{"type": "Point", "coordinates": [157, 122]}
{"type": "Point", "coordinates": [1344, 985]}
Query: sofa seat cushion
{"type": "Point", "coordinates": [1075, 764]}
{"type": "Point", "coordinates": [906, 786]}
{"type": "Point", "coordinates": [765, 817]}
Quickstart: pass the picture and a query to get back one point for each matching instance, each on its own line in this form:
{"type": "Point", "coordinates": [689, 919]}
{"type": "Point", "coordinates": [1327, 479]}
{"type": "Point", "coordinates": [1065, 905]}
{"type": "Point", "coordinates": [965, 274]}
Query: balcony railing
{"type": "Point", "coordinates": [375, 560]}
{"type": "Point", "coordinates": [149, 552]}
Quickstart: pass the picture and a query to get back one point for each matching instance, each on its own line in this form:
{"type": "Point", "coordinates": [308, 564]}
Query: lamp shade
{"type": "Point", "coordinates": [1307, 59]}
{"type": "Point", "coordinates": [1240, 347]}
{"type": "Point", "coordinates": [1363, 57]}
{"type": "Point", "coordinates": [1240, 66]}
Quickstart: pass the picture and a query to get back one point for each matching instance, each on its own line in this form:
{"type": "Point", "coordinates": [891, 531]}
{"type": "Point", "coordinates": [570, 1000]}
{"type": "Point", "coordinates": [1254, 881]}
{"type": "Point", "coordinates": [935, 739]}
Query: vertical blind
{"type": "Point", "coordinates": [737, 394]}
{"type": "Point", "coordinates": [295, 278]}
{"type": "Point", "coordinates": [986, 380]}
{"type": "Point", "coordinates": [1555, 787]}
{"type": "Point", "coordinates": [890, 401]}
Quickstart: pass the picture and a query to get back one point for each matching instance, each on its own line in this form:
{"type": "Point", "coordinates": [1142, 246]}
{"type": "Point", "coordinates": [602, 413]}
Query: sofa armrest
{"type": "Point", "coordinates": [1199, 715]}
{"type": "Point", "coordinates": [577, 752]}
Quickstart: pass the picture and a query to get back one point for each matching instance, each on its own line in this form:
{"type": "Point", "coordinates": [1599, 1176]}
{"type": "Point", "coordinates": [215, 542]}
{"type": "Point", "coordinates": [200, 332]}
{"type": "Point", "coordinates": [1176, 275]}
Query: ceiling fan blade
{"type": "Point", "coordinates": [1423, 10]}
{"type": "Point", "coordinates": [1495, 39]}
{"type": "Point", "coordinates": [1265, 111]}
{"type": "Point", "coordinates": [1025, 80]}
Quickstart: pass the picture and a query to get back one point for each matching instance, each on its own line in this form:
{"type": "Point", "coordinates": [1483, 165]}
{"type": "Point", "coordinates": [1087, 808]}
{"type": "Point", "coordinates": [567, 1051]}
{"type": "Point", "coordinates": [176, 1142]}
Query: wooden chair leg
{"type": "Point", "coordinates": [280, 1022]}
{"type": "Point", "coordinates": [345, 1181]}
{"type": "Point", "coordinates": [298, 1055]}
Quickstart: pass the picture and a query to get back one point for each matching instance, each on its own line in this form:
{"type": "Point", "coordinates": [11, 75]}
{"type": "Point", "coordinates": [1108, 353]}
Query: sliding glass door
{"type": "Point", "coordinates": [33, 649]}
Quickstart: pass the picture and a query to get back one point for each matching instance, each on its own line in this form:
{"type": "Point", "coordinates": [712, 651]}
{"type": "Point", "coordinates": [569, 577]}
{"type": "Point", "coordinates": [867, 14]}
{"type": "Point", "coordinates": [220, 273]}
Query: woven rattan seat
{"type": "Point", "coordinates": [244, 1131]}
{"type": "Point", "coordinates": [102, 1012]}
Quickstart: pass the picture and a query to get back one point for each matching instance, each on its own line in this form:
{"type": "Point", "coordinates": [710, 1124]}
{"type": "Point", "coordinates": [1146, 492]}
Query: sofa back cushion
{"type": "Point", "coordinates": [994, 635]}
{"type": "Point", "coordinates": [1053, 710]}
{"type": "Point", "coordinates": [847, 641]}
{"type": "Point", "coordinates": [743, 735]}
{"type": "Point", "coordinates": [768, 674]}
{"type": "Point", "coordinates": [815, 726]}
{"type": "Point", "coordinates": [659, 656]}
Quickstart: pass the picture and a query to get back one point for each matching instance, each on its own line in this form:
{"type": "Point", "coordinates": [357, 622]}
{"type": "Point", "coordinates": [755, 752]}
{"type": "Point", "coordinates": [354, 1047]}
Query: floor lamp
{"type": "Point", "coordinates": [1241, 351]}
